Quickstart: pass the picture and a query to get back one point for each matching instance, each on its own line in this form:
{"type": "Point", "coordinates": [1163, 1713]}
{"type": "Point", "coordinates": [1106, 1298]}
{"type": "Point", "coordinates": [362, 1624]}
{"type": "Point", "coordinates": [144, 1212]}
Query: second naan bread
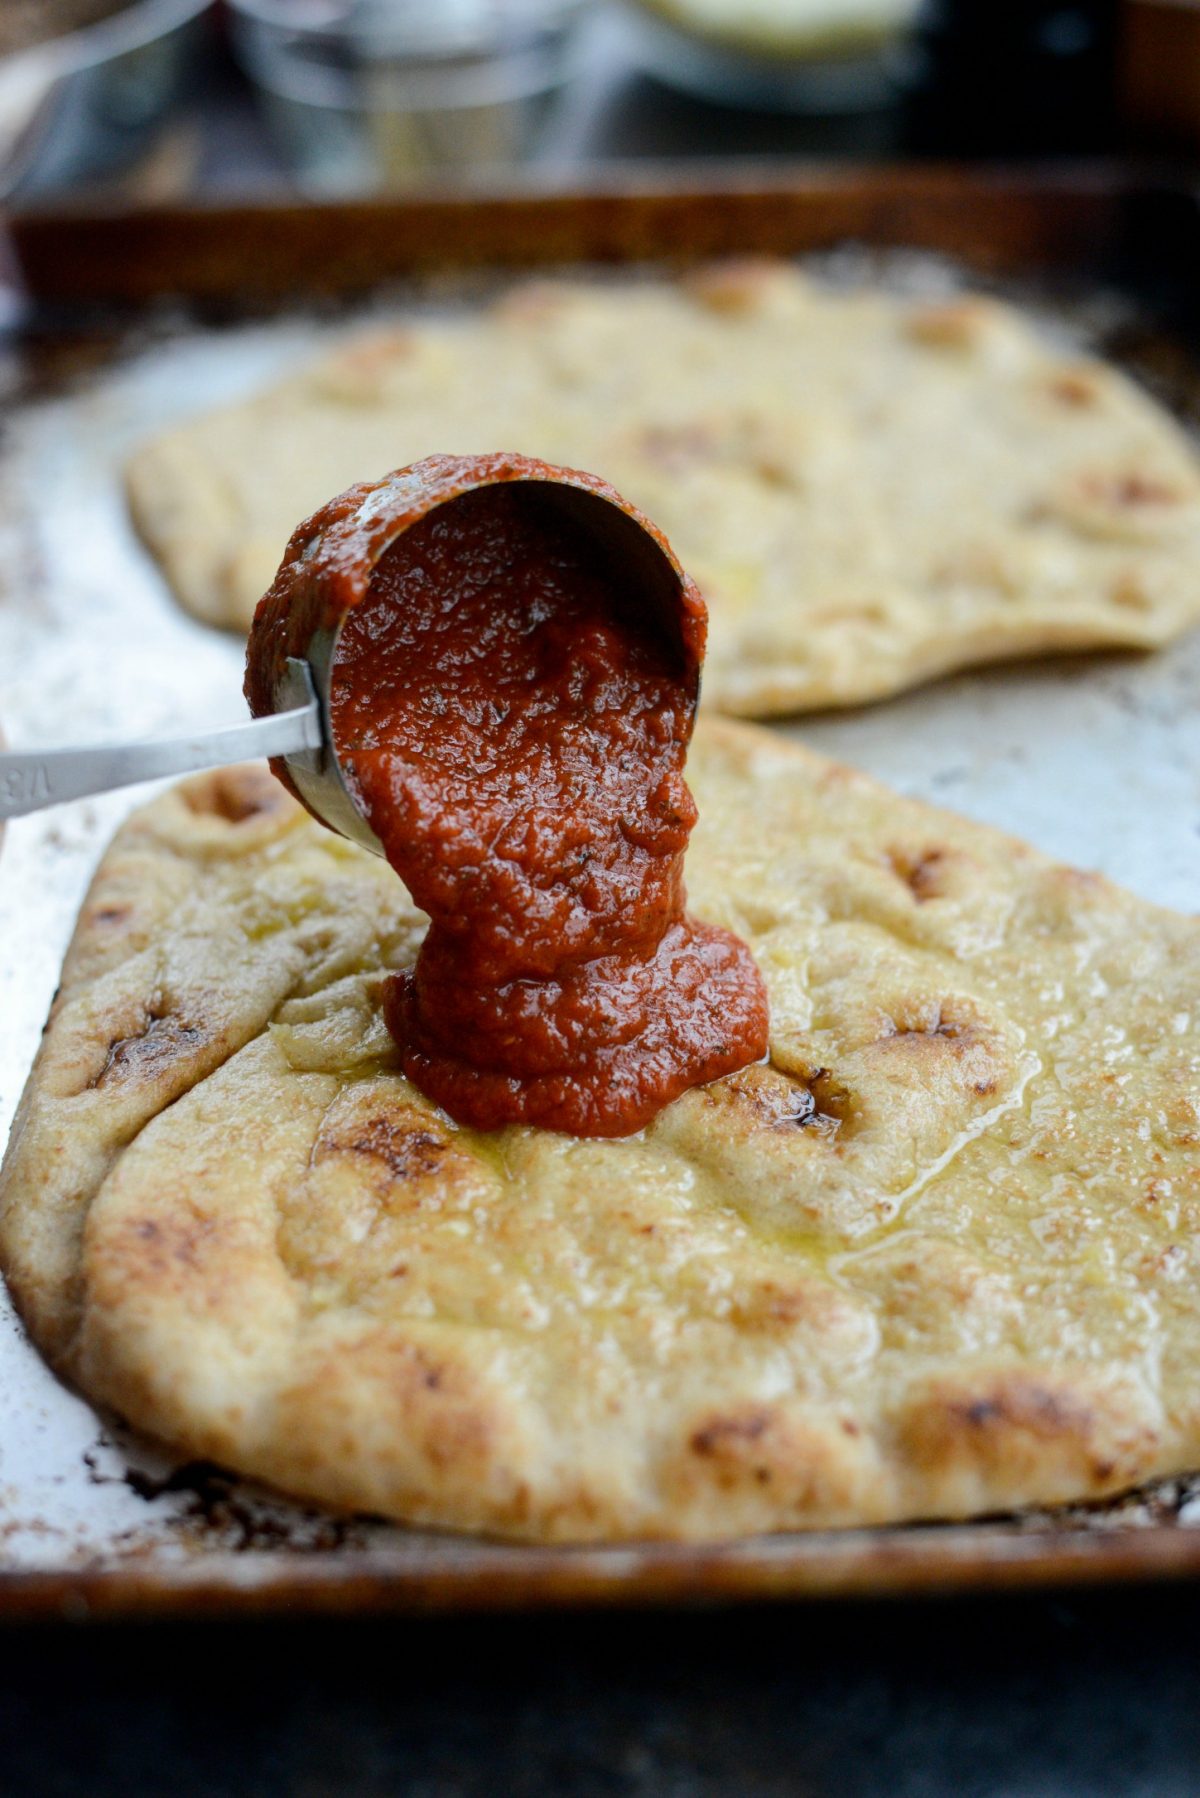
{"type": "Point", "coordinates": [940, 1256]}
{"type": "Point", "coordinates": [869, 491]}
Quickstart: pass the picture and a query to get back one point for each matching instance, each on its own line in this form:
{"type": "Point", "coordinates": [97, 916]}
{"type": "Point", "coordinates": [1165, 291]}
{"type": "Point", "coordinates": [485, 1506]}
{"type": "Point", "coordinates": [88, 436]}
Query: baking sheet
{"type": "Point", "coordinates": [1096, 760]}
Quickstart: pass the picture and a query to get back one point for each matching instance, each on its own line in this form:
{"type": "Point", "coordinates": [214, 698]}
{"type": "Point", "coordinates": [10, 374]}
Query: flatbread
{"type": "Point", "coordinates": [940, 1257]}
{"type": "Point", "coordinates": [869, 491]}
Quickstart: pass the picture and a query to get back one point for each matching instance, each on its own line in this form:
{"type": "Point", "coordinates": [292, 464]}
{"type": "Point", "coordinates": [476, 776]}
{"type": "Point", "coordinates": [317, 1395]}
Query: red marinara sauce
{"type": "Point", "coordinates": [513, 717]}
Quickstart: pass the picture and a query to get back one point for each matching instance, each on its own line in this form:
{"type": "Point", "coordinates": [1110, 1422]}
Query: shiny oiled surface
{"type": "Point", "coordinates": [935, 1258]}
{"type": "Point", "coordinates": [1003, 747]}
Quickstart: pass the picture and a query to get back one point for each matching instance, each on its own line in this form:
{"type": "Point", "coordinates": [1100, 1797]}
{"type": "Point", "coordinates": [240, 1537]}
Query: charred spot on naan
{"type": "Point", "coordinates": [1034, 1436]}
{"type": "Point", "coordinates": [772, 1459]}
{"type": "Point", "coordinates": [1131, 502]}
{"type": "Point", "coordinates": [165, 1035]}
{"type": "Point", "coordinates": [231, 812]}
{"type": "Point", "coordinates": [236, 795]}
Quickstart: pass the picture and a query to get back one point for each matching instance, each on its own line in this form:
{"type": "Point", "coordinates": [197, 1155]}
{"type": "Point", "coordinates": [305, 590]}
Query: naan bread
{"type": "Point", "coordinates": [941, 1256]}
{"type": "Point", "coordinates": [868, 491]}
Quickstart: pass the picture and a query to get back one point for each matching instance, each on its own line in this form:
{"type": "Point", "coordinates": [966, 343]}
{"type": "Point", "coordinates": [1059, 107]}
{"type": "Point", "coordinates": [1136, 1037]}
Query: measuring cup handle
{"type": "Point", "coordinates": [31, 780]}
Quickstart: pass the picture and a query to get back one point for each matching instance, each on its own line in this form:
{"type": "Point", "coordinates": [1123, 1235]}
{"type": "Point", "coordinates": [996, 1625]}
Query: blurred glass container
{"type": "Point", "coordinates": [84, 104]}
{"type": "Point", "coordinates": [820, 56]}
{"type": "Point", "coordinates": [370, 95]}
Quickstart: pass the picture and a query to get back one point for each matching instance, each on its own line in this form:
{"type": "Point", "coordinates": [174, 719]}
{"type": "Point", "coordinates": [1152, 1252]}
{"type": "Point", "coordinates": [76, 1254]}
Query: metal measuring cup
{"type": "Point", "coordinates": [327, 568]}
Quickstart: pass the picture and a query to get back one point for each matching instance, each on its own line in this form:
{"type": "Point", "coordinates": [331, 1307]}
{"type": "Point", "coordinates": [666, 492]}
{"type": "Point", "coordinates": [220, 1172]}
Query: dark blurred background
{"type": "Point", "coordinates": [1082, 1696]}
{"type": "Point", "coordinates": [168, 98]}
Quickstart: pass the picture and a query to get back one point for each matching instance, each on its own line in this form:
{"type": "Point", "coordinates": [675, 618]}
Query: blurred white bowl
{"type": "Point", "coordinates": [777, 55]}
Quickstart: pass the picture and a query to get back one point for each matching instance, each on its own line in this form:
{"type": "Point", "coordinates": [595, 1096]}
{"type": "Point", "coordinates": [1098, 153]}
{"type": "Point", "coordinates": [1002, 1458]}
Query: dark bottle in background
{"type": "Point", "coordinates": [1011, 78]}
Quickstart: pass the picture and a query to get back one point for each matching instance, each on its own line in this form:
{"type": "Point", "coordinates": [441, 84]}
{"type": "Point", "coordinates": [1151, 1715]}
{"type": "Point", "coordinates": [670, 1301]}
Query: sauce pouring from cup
{"type": "Point", "coordinates": [487, 669]}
